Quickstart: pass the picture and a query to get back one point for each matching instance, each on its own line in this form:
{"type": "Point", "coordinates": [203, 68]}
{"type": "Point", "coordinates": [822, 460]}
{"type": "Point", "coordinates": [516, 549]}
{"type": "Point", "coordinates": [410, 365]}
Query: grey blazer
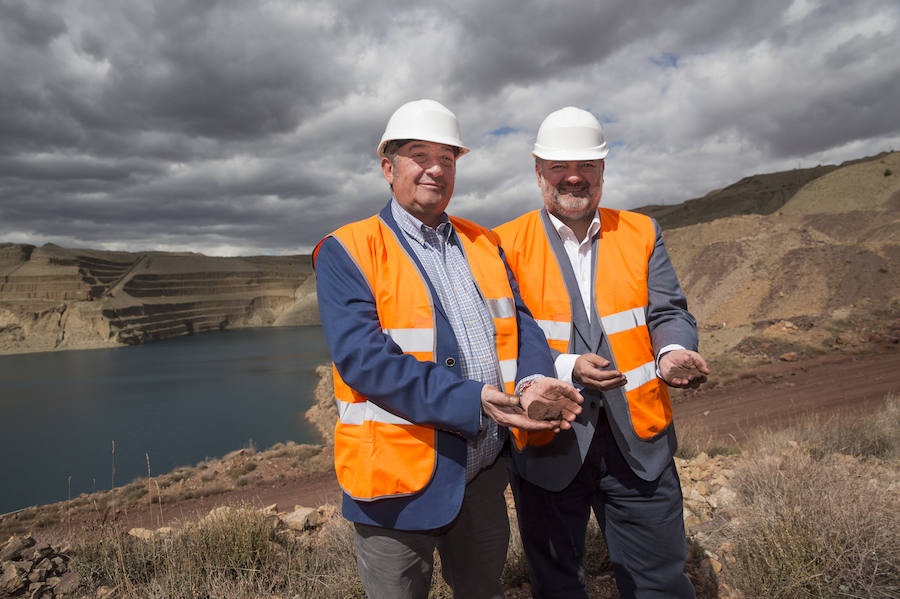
{"type": "Point", "coordinates": [554, 466]}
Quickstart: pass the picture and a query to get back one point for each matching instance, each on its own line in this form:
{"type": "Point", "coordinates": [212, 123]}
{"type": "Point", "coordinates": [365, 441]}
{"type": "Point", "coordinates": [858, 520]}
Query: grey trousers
{"type": "Point", "coordinates": [398, 564]}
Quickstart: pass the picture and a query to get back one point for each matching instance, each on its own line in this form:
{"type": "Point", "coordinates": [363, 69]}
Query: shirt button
{"type": "Point", "coordinates": [450, 362]}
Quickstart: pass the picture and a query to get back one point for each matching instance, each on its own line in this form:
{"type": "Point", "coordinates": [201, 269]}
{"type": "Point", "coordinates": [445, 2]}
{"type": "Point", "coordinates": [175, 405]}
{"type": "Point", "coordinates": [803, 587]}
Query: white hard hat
{"type": "Point", "coordinates": [425, 120]}
{"type": "Point", "coordinates": [570, 134]}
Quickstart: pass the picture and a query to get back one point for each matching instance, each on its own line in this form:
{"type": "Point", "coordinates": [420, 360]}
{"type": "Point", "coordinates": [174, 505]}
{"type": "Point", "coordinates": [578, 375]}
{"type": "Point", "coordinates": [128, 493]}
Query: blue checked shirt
{"type": "Point", "coordinates": [446, 267]}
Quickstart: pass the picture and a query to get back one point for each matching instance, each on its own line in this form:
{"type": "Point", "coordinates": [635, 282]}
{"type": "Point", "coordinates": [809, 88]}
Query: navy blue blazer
{"type": "Point", "coordinates": [427, 393]}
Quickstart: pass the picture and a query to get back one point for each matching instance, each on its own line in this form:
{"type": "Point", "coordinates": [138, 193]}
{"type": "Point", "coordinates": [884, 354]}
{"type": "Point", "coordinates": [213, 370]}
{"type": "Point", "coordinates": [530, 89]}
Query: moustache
{"type": "Point", "coordinates": [567, 189]}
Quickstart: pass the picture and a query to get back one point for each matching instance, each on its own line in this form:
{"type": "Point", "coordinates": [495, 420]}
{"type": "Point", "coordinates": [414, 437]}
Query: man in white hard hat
{"type": "Point", "coordinates": [424, 325]}
{"type": "Point", "coordinates": [600, 284]}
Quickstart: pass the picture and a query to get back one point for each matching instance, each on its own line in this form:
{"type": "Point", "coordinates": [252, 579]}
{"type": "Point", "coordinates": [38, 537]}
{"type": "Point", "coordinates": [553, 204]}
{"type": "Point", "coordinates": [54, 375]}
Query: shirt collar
{"type": "Point", "coordinates": [416, 229]}
{"type": "Point", "coordinates": [564, 231]}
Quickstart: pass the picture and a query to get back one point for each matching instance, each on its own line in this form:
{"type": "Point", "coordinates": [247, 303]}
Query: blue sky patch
{"type": "Point", "coordinates": [504, 131]}
{"type": "Point", "coordinates": [666, 60]}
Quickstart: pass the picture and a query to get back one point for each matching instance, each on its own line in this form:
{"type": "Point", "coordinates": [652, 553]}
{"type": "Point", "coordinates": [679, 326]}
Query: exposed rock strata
{"type": "Point", "coordinates": [57, 298]}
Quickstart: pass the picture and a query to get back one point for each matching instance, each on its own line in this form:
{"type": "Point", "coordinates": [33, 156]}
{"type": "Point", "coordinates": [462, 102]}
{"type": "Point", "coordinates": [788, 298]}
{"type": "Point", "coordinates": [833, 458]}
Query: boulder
{"type": "Point", "coordinates": [13, 548]}
{"type": "Point", "coordinates": [68, 584]}
{"type": "Point", "coordinates": [13, 579]}
{"type": "Point", "coordinates": [105, 592]}
{"type": "Point", "coordinates": [304, 518]}
{"type": "Point", "coordinates": [300, 518]}
{"type": "Point", "coordinates": [141, 533]}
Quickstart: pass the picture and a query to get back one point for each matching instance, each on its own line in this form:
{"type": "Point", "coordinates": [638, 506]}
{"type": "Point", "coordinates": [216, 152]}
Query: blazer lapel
{"type": "Point", "coordinates": [581, 326]}
{"type": "Point", "coordinates": [596, 326]}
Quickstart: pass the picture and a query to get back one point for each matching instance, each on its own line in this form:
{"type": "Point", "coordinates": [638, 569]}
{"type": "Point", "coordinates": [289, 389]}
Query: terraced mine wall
{"type": "Point", "coordinates": [57, 298]}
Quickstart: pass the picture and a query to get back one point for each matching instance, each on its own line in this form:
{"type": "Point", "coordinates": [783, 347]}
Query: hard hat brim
{"type": "Point", "coordinates": [447, 142]}
{"type": "Point", "coordinates": [595, 153]}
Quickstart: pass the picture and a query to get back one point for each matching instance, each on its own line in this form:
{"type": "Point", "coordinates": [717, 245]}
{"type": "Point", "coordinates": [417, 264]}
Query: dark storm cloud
{"type": "Point", "coordinates": [26, 24]}
{"type": "Point", "coordinates": [545, 42]}
{"type": "Point", "coordinates": [244, 127]}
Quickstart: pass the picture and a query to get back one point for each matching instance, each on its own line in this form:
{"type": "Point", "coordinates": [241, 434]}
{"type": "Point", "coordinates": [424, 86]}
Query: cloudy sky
{"type": "Point", "coordinates": [235, 127]}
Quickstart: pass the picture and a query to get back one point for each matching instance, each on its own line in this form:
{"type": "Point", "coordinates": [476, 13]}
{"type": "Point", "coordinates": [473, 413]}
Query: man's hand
{"type": "Point", "coordinates": [589, 370]}
{"type": "Point", "coordinates": [551, 399]}
{"type": "Point", "coordinates": [683, 368]}
{"type": "Point", "coordinates": [506, 410]}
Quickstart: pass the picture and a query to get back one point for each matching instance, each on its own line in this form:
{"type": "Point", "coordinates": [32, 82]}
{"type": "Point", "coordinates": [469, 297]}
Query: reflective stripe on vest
{"type": "Point", "coordinates": [504, 307]}
{"type": "Point", "coordinates": [640, 376]}
{"type": "Point", "coordinates": [358, 413]}
{"type": "Point", "coordinates": [378, 453]}
{"type": "Point", "coordinates": [556, 331]}
{"type": "Point", "coordinates": [624, 245]}
{"type": "Point", "coordinates": [412, 340]}
{"type": "Point", "coordinates": [623, 321]}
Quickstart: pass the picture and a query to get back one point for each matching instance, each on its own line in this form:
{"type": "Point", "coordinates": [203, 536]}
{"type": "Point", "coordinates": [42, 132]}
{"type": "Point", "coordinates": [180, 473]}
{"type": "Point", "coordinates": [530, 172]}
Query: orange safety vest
{"type": "Point", "coordinates": [624, 246]}
{"type": "Point", "coordinates": [379, 454]}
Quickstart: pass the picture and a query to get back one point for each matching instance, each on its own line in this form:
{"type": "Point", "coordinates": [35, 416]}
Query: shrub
{"type": "Point", "coordinates": [809, 527]}
{"type": "Point", "coordinates": [695, 438]}
{"type": "Point", "coordinates": [871, 435]}
{"type": "Point", "coordinates": [238, 553]}
{"type": "Point", "coordinates": [239, 471]}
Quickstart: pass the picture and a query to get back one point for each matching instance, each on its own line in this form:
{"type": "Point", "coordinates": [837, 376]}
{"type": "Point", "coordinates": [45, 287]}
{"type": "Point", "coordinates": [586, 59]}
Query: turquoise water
{"type": "Point", "coordinates": [178, 401]}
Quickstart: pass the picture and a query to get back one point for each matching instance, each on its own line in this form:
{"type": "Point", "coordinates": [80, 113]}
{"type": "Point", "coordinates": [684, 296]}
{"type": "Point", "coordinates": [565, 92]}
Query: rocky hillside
{"type": "Point", "coordinates": [818, 275]}
{"type": "Point", "coordinates": [56, 298]}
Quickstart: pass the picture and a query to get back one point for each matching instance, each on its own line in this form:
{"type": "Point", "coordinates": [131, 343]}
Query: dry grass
{"type": "Point", "coordinates": [244, 553]}
{"type": "Point", "coordinates": [819, 513]}
{"type": "Point", "coordinates": [694, 438]}
{"type": "Point", "coordinates": [238, 553]}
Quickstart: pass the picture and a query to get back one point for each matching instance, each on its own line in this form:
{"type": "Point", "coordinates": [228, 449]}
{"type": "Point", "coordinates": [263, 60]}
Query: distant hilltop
{"type": "Point", "coordinates": [756, 194]}
{"type": "Point", "coordinates": [784, 265]}
{"type": "Point", "coordinates": [54, 298]}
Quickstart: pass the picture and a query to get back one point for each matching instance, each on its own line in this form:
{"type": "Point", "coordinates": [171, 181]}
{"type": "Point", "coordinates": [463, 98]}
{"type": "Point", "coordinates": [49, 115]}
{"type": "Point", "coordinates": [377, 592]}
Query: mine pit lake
{"type": "Point", "coordinates": [74, 422]}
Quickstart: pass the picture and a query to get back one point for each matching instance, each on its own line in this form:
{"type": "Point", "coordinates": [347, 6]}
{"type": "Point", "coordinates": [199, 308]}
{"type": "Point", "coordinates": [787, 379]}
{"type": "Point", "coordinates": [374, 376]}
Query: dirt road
{"type": "Point", "coordinates": [777, 394]}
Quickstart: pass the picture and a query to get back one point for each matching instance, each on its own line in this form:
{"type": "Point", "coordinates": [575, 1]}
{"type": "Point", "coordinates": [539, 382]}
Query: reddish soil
{"type": "Point", "coordinates": [772, 397]}
{"type": "Point", "coordinates": [777, 394]}
{"type": "Point", "coordinates": [309, 490]}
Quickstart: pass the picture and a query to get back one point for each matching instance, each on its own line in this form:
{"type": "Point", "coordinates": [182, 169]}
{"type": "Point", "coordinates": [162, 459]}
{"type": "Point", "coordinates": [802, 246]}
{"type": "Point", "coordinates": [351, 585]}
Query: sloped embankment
{"type": "Point", "coordinates": [57, 298]}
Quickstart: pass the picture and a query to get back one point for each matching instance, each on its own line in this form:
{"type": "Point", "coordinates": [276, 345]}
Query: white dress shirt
{"type": "Point", "coordinates": [579, 253]}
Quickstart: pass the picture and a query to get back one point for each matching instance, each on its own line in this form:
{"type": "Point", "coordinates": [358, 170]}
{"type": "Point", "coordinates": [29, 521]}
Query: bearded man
{"type": "Point", "coordinates": [600, 285]}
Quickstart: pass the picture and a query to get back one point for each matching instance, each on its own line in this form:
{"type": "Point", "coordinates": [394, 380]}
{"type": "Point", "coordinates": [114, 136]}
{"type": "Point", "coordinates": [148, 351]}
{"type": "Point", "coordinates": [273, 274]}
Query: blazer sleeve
{"type": "Point", "coordinates": [668, 319]}
{"type": "Point", "coordinates": [371, 363]}
{"type": "Point", "coordinates": [535, 356]}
